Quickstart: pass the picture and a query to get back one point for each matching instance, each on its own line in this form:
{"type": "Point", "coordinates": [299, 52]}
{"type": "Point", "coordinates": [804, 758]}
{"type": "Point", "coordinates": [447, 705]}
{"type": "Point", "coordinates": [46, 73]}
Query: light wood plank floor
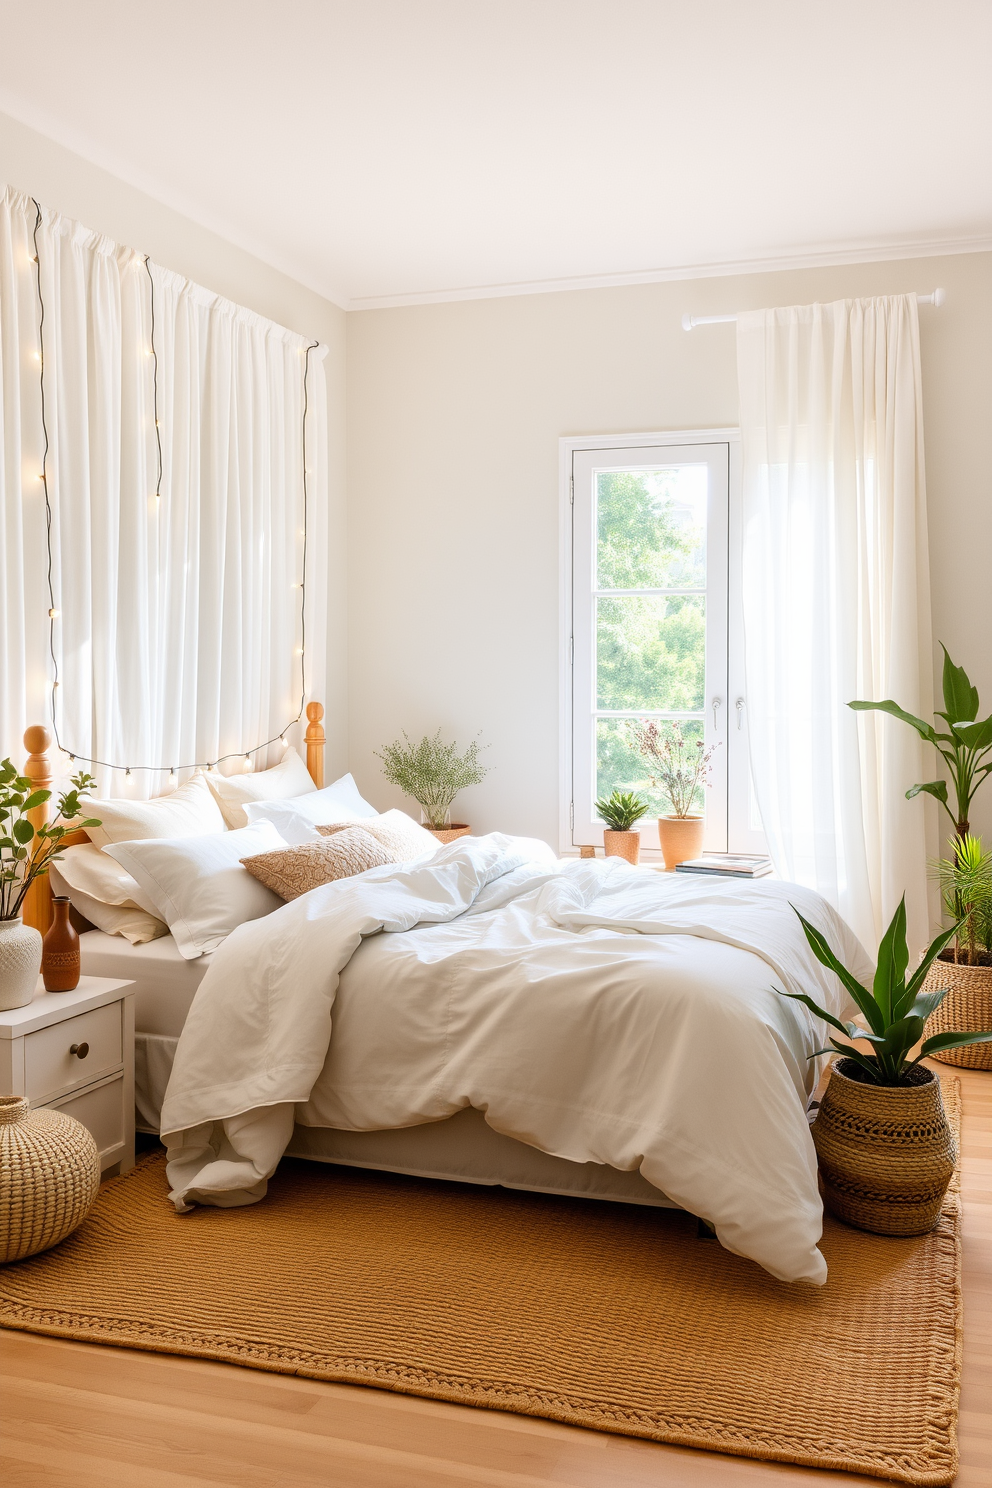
{"type": "Point", "coordinates": [78, 1416]}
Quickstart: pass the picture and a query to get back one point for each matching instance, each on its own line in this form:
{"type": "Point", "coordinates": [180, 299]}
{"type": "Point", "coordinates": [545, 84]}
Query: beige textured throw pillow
{"type": "Point", "coordinates": [400, 835]}
{"type": "Point", "coordinates": [293, 871]}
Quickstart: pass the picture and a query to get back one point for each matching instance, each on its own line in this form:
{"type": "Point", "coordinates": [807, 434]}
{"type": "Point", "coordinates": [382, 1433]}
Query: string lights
{"type": "Point", "coordinates": [54, 613]}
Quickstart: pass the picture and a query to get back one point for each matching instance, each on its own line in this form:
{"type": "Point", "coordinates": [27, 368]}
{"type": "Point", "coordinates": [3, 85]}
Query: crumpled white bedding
{"type": "Point", "coordinates": [599, 1012]}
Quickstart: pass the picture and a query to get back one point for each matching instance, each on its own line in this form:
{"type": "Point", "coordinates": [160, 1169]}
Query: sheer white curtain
{"type": "Point", "coordinates": [179, 630]}
{"type": "Point", "coordinates": [837, 599]}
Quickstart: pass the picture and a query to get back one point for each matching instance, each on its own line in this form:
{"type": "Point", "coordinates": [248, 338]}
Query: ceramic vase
{"type": "Point", "coordinates": [20, 961]}
{"type": "Point", "coordinates": [60, 950]}
{"type": "Point", "coordinates": [681, 838]}
{"type": "Point", "coordinates": [886, 1152]}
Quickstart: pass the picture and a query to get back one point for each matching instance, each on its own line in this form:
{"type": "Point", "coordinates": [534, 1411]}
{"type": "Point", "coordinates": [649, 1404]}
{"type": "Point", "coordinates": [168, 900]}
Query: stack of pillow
{"type": "Point", "coordinates": [221, 850]}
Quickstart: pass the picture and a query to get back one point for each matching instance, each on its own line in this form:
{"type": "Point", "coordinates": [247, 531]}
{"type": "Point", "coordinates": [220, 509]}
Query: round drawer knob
{"type": "Point", "coordinates": [80, 1050]}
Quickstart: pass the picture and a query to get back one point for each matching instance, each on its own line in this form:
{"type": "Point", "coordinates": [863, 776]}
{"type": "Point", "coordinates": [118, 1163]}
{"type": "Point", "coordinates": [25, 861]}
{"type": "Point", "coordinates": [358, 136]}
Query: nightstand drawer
{"type": "Point", "coordinates": [51, 1070]}
{"type": "Point", "coordinates": [102, 1112]}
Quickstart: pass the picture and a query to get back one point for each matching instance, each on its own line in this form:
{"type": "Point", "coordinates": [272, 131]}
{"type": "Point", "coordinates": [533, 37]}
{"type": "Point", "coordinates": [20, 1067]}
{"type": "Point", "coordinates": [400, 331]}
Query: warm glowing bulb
{"type": "Point", "coordinates": [127, 772]}
{"type": "Point", "coordinates": [299, 650]}
{"type": "Point", "coordinates": [54, 614]}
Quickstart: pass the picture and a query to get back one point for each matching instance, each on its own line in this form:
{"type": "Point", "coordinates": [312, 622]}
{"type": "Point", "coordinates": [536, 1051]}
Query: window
{"type": "Point", "coordinates": [649, 592]}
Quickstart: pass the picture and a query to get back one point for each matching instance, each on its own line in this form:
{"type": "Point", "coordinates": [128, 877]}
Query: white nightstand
{"type": "Point", "coordinates": [74, 1052]}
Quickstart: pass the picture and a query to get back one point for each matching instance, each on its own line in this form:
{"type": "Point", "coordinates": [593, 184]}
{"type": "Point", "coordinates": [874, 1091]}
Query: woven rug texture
{"type": "Point", "coordinates": [600, 1315]}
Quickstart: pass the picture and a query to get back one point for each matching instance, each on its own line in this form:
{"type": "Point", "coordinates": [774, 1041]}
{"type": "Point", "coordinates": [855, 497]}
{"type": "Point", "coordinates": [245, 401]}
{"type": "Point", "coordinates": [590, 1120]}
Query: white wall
{"type": "Point", "coordinates": [454, 415]}
{"type": "Point", "coordinates": [65, 182]}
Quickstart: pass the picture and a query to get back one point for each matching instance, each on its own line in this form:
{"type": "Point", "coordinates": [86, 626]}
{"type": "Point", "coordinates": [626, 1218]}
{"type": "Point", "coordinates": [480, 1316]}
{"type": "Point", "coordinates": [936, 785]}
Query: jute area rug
{"type": "Point", "coordinates": [600, 1315]}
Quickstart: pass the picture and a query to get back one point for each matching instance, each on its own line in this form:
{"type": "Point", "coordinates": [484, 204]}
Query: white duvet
{"type": "Point", "coordinates": [598, 1012]}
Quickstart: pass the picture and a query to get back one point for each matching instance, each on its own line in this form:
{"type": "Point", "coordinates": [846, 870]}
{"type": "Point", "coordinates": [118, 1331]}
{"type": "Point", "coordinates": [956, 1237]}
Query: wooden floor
{"type": "Point", "coordinates": [79, 1416]}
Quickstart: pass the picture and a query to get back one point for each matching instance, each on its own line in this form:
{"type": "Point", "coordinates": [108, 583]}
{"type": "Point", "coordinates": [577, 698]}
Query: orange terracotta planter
{"type": "Point", "coordinates": [448, 834]}
{"type": "Point", "coordinates": [681, 838]}
{"type": "Point", "coordinates": [625, 845]}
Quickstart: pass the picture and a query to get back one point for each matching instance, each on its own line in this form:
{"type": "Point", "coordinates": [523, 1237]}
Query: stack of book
{"type": "Point", "coordinates": [728, 865]}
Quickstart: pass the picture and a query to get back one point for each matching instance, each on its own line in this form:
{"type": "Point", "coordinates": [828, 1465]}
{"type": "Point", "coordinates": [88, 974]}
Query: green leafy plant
{"type": "Point", "coordinates": [621, 810]}
{"type": "Point", "coordinates": [676, 767]}
{"type": "Point", "coordinates": [965, 747]}
{"type": "Point", "coordinates": [966, 887]}
{"type": "Point", "coordinates": [895, 1010]}
{"type": "Point", "coordinates": [26, 851]}
{"type": "Point", "coordinates": [432, 773]}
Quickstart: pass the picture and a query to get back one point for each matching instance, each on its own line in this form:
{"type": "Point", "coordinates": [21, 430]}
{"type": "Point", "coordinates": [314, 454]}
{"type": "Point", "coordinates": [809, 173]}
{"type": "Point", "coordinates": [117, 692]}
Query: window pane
{"type": "Point", "coordinates": [651, 528]}
{"type": "Point", "coordinates": [651, 652]}
{"type": "Point", "coordinates": [619, 765]}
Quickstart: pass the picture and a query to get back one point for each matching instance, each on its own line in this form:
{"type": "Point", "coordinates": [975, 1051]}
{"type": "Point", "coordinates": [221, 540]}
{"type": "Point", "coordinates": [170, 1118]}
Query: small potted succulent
{"type": "Point", "coordinates": [886, 1152]}
{"type": "Point", "coordinates": [964, 743]}
{"type": "Point", "coordinates": [26, 853]}
{"type": "Point", "coordinates": [433, 773]}
{"type": "Point", "coordinates": [680, 769]}
{"type": "Point", "coordinates": [620, 811]}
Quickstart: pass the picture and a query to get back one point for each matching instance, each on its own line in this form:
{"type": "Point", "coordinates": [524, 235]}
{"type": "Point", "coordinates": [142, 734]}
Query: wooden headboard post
{"type": "Point", "coordinates": [37, 908]}
{"type": "Point", "coordinates": [315, 743]}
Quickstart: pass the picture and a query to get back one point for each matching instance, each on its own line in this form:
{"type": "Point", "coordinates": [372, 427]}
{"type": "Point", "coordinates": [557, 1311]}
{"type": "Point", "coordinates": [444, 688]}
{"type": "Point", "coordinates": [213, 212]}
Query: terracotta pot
{"type": "Point", "coordinates": [967, 1008]}
{"type": "Point", "coordinates": [681, 838]}
{"type": "Point", "coordinates": [886, 1152]}
{"type": "Point", "coordinates": [625, 845]}
{"type": "Point", "coordinates": [60, 950]}
{"type": "Point", "coordinates": [20, 959]}
{"type": "Point", "coordinates": [449, 833]}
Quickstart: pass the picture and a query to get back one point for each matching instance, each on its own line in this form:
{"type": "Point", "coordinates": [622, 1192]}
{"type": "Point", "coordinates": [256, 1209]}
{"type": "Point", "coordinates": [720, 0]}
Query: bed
{"type": "Point", "coordinates": [491, 1014]}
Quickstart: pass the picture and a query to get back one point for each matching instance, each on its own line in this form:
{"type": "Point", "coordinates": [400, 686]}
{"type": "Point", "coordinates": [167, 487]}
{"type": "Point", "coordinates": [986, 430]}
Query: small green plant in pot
{"type": "Point", "coordinates": [26, 854]}
{"type": "Point", "coordinates": [885, 1150]}
{"type": "Point", "coordinates": [620, 811]}
{"type": "Point", "coordinates": [433, 773]}
{"type": "Point", "coordinates": [966, 887]}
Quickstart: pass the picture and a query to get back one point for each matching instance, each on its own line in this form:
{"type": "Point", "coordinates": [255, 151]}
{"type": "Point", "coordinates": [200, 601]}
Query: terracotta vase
{"type": "Point", "coordinates": [450, 832]}
{"type": "Point", "coordinates": [20, 958]}
{"type": "Point", "coordinates": [886, 1152]}
{"type": "Point", "coordinates": [625, 845]}
{"type": "Point", "coordinates": [681, 838]}
{"type": "Point", "coordinates": [60, 950]}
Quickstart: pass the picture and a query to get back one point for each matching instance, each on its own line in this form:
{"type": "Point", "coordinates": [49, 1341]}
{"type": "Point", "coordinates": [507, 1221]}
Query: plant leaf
{"type": "Point", "coordinates": [951, 1041]}
{"type": "Point", "coordinates": [860, 995]}
{"type": "Point", "coordinates": [893, 958]}
{"type": "Point", "coordinates": [851, 1030]}
{"type": "Point", "coordinates": [936, 788]}
{"type": "Point", "coordinates": [975, 735]}
{"type": "Point", "coordinates": [865, 1062]}
{"type": "Point", "coordinates": [23, 831]}
{"type": "Point", "coordinates": [925, 730]}
{"type": "Point", "coordinates": [929, 957]}
{"type": "Point", "coordinates": [960, 698]}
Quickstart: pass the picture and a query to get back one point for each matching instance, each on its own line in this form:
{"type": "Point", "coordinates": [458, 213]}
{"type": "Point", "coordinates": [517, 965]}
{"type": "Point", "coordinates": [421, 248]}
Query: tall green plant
{"type": "Point", "coordinates": [27, 851]}
{"type": "Point", "coordinates": [965, 747]}
{"type": "Point", "coordinates": [432, 773]}
{"type": "Point", "coordinates": [966, 888]}
{"type": "Point", "coordinates": [895, 1010]}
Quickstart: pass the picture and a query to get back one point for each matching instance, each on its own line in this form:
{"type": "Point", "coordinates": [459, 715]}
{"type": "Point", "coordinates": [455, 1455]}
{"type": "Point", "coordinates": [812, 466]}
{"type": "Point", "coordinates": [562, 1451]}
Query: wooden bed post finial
{"type": "Point", "coordinates": [315, 743]}
{"type": "Point", "coordinates": [37, 910]}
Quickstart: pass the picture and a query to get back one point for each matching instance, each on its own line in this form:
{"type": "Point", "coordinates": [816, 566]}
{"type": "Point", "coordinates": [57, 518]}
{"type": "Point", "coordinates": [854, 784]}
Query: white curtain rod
{"type": "Point", "coordinates": [936, 299]}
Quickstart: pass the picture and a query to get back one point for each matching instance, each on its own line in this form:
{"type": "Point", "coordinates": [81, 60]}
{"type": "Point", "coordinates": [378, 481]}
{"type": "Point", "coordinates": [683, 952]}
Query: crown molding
{"type": "Point", "coordinates": [811, 258]}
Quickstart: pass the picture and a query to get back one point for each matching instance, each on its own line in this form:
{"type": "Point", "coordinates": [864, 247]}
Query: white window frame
{"type": "Point", "coordinates": [732, 828]}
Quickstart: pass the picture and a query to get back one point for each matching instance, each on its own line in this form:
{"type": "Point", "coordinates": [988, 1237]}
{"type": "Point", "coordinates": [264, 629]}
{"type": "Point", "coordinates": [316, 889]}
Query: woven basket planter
{"type": "Point", "coordinates": [886, 1153]}
{"type": "Point", "coordinates": [626, 845]}
{"type": "Point", "coordinates": [967, 1008]}
{"type": "Point", "coordinates": [49, 1177]}
{"type": "Point", "coordinates": [449, 834]}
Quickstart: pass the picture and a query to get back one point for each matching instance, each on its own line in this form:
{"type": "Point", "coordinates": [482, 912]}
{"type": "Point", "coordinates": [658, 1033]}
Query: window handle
{"type": "Point", "coordinates": [716, 703]}
{"type": "Point", "coordinates": [740, 705]}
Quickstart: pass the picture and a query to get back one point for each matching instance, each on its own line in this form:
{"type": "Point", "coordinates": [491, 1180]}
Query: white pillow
{"type": "Point", "coordinates": [297, 818]}
{"type": "Point", "coordinates": [289, 778]}
{"type": "Point", "coordinates": [189, 811]}
{"type": "Point", "coordinates": [113, 919]}
{"type": "Point", "coordinates": [198, 884]}
{"type": "Point", "coordinates": [402, 837]}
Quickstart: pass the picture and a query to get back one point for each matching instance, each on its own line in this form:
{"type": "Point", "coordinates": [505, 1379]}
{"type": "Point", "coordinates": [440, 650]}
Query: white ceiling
{"type": "Point", "coordinates": [385, 151]}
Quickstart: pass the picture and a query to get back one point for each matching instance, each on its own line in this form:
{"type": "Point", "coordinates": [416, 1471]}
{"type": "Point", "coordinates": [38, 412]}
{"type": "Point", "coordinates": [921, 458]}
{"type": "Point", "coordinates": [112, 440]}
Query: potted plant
{"type": "Point", "coordinates": [679, 769]}
{"type": "Point", "coordinates": [966, 966]}
{"type": "Point", "coordinates": [885, 1150]}
{"type": "Point", "coordinates": [965, 745]}
{"type": "Point", "coordinates": [26, 852]}
{"type": "Point", "coordinates": [433, 773]}
{"type": "Point", "coordinates": [620, 811]}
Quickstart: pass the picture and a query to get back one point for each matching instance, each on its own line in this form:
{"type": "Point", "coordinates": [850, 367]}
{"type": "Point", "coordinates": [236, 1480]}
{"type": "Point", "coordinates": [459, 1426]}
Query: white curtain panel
{"type": "Point", "coordinates": [179, 632]}
{"type": "Point", "coordinates": [837, 599]}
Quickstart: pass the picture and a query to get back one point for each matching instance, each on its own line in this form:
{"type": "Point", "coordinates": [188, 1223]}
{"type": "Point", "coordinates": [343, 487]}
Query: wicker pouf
{"type": "Point", "coordinates": [967, 1008]}
{"type": "Point", "coordinates": [886, 1152]}
{"type": "Point", "coordinates": [49, 1177]}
